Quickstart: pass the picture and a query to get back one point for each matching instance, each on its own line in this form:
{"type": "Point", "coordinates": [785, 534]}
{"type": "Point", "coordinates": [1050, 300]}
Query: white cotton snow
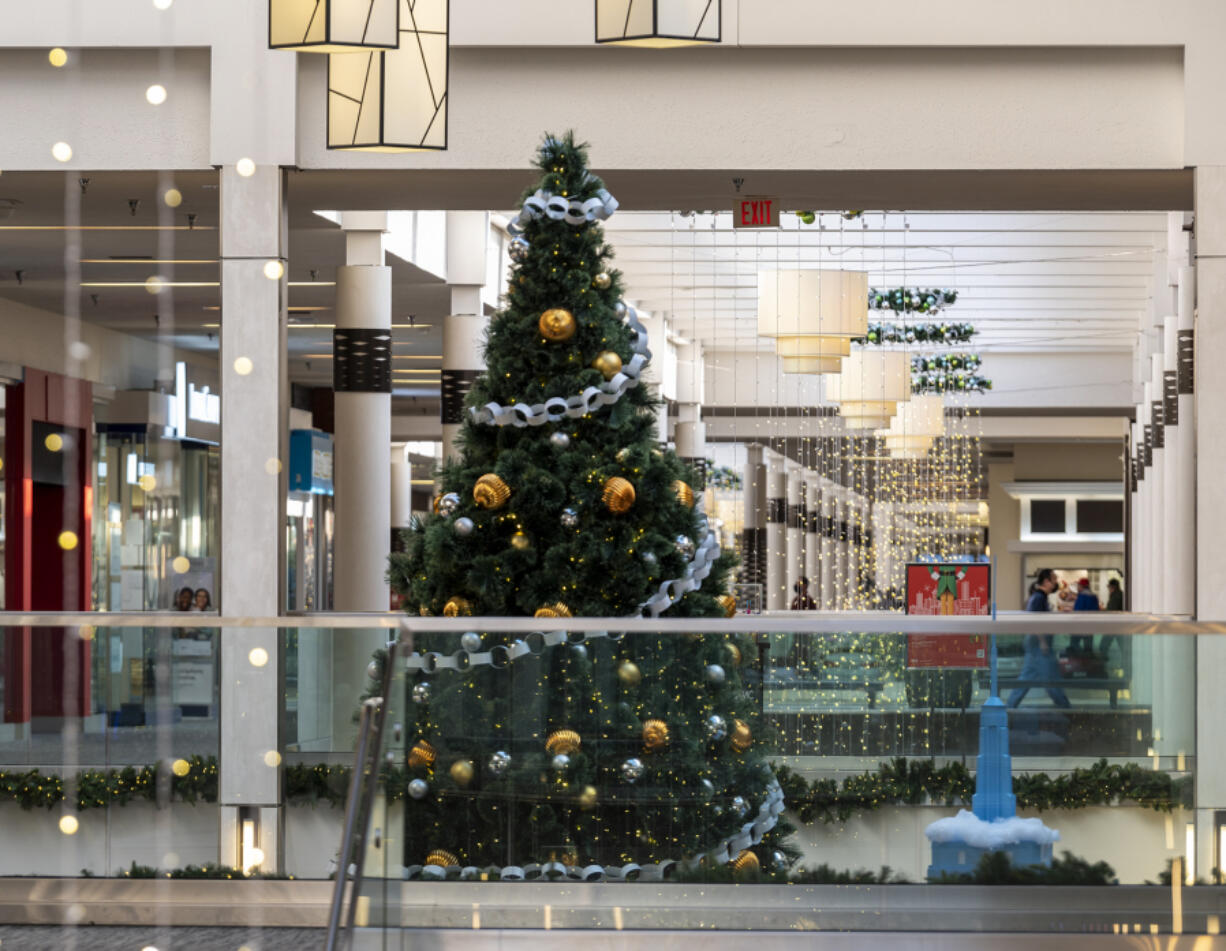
{"type": "Point", "coordinates": [969, 828]}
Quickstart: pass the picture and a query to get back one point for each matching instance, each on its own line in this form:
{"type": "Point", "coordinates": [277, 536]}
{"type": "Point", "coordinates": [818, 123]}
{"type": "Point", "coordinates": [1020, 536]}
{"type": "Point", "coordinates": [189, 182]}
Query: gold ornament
{"type": "Point", "coordinates": [520, 542]}
{"type": "Point", "coordinates": [423, 611]}
{"type": "Point", "coordinates": [629, 674]}
{"type": "Point", "coordinates": [728, 603]}
{"type": "Point", "coordinates": [608, 363]}
{"type": "Point", "coordinates": [434, 503]}
{"type": "Point", "coordinates": [557, 609]}
{"type": "Point", "coordinates": [602, 281]}
{"type": "Point", "coordinates": [746, 862]}
{"type": "Point", "coordinates": [491, 492]}
{"type": "Point", "coordinates": [741, 736]}
{"type": "Point", "coordinates": [733, 653]}
{"type": "Point", "coordinates": [655, 735]}
{"type": "Point", "coordinates": [685, 495]}
{"type": "Point", "coordinates": [422, 754]}
{"type": "Point", "coordinates": [457, 607]}
{"type": "Point", "coordinates": [567, 856]}
{"type": "Point", "coordinates": [462, 772]}
{"type": "Point", "coordinates": [587, 798]}
{"type": "Point", "coordinates": [562, 741]}
{"type": "Point", "coordinates": [442, 858]}
{"type": "Point", "coordinates": [618, 495]}
{"type": "Point", "coordinates": [557, 324]}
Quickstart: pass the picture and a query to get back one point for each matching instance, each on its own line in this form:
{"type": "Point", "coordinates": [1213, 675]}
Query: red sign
{"type": "Point", "coordinates": [756, 213]}
{"type": "Point", "coordinates": [957, 590]}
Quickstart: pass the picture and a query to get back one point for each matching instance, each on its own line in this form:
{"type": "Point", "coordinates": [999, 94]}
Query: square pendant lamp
{"type": "Point", "coordinates": [394, 100]}
{"type": "Point", "coordinates": [870, 386]}
{"type": "Point", "coordinates": [813, 315]}
{"type": "Point", "coordinates": [658, 23]}
{"type": "Point", "coordinates": [333, 26]}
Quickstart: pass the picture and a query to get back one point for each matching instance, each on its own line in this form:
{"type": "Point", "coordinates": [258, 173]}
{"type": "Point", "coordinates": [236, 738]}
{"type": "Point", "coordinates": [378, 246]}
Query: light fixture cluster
{"type": "Point", "coordinates": [658, 23]}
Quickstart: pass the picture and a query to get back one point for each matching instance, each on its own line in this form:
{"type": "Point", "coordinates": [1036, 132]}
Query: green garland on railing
{"type": "Point", "coordinates": [96, 788]}
{"type": "Point", "coordinates": [911, 782]}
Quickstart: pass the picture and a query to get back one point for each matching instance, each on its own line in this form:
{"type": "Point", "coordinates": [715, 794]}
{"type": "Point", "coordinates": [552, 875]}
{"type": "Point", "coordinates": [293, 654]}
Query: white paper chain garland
{"type": "Point", "coordinates": [573, 407]}
{"type": "Point", "coordinates": [543, 204]}
{"type": "Point", "coordinates": [672, 591]}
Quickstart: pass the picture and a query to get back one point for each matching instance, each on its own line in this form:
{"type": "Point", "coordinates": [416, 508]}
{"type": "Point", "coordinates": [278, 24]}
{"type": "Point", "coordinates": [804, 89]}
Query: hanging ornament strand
{"type": "Point", "coordinates": [917, 333]}
{"type": "Point", "coordinates": [908, 300]}
{"type": "Point", "coordinates": [966, 362]}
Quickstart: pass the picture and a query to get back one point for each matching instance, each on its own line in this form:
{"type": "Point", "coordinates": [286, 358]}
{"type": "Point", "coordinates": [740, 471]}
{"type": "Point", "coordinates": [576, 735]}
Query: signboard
{"type": "Point", "coordinates": [957, 590]}
{"type": "Point", "coordinates": [756, 212]}
{"type": "Point", "coordinates": [310, 461]}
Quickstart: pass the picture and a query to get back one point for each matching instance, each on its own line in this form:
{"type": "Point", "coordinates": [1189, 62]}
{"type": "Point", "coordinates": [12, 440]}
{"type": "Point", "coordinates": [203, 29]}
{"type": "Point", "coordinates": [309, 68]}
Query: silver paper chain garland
{"type": "Point", "coordinates": [543, 204]}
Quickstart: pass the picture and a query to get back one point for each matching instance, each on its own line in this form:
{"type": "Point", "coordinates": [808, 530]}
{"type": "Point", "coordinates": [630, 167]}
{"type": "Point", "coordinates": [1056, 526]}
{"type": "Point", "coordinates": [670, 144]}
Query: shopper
{"type": "Point", "coordinates": [1039, 662]}
{"type": "Point", "coordinates": [203, 601]}
{"type": "Point", "coordinates": [1087, 600]}
{"type": "Point", "coordinates": [183, 599]}
{"type": "Point", "coordinates": [802, 601]}
{"type": "Point", "coordinates": [1115, 595]}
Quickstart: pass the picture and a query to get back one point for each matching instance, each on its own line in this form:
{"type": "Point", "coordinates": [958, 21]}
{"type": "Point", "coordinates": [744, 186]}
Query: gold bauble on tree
{"type": "Point", "coordinates": [462, 772]}
{"type": "Point", "coordinates": [746, 862]}
{"type": "Point", "coordinates": [491, 492]}
{"type": "Point", "coordinates": [618, 495]}
{"type": "Point", "coordinates": [587, 798]}
{"type": "Point", "coordinates": [520, 542]}
{"type": "Point", "coordinates": [740, 736]}
{"type": "Point", "coordinates": [457, 607]}
{"type": "Point", "coordinates": [422, 754]}
{"type": "Point", "coordinates": [602, 281]}
{"type": "Point", "coordinates": [563, 741]}
{"type": "Point", "coordinates": [655, 735]}
{"type": "Point", "coordinates": [423, 611]}
{"type": "Point", "coordinates": [441, 858]}
{"type": "Point", "coordinates": [557, 609]}
{"type": "Point", "coordinates": [628, 673]}
{"type": "Point", "coordinates": [728, 603]}
{"type": "Point", "coordinates": [608, 363]}
{"type": "Point", "coordinates": [685, 495]}
{"type": "Point", "coordinates": [557, 324]}
{"type": "Point", "coordinates": [733, 653]}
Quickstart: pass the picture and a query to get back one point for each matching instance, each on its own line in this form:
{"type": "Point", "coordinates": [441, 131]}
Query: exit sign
{"type": "Point", "coordinates": [756, 213]}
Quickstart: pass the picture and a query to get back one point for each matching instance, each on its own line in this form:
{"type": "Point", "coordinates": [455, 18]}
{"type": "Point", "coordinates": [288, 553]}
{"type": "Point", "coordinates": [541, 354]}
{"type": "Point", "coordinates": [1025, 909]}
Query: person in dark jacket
{"type": "Point", "coordinates": [1087, 600]}
{"type": "Point", "coordinates": [1039, 661]}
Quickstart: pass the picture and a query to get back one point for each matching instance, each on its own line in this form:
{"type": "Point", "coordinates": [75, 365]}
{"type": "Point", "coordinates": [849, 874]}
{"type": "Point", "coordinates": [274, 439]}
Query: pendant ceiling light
{"type": "Point", "coordinates": [395, 100]}
{"type": "Point", "coordinates": [916, 425]}
{"type": "Point", "coordinates": [813, 316]}
{"type": "Point", "coordinates": [657, 23]}
{"type": "Point", "coordinates": [870, 386]}
{"type": "Point", "coordinates": [333, 26]}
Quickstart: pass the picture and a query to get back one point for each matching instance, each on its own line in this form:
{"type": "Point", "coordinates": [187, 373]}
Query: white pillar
{"type": "Point", "coordinates": [1158, 485]}
{"type": "Point", "coordinates": [795, 538]}
{"type": "Point", "coordinates": [812, 532]}
{"type": "Point", "coordinates": [1181, 453]}
{"type": "Point", "coordinates": [690, 432]}
{"type": "Point", "coordinates": [776, 533]}
{"type": "Point", "coordinates": [827, 597]}
{"type": "Point", "coordinates": [464, 329]}
{"type": "Point", "coordinates": [254, 420]}
{"type": "Point", "coordinates": [402, 488]}
{"type": "Point", "coordinates": [753, 532]}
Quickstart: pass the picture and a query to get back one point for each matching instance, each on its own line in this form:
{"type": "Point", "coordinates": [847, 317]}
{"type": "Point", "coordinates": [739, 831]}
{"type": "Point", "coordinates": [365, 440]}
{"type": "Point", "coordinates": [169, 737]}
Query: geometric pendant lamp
{"type": "Point", "coordinates": [394, 100]}
{"type": "Point", "coordinates": [917, 424]}
{"type": "Point", "coordinates": [813, 315]}
{"type": "Point", "coordinates": [332, 26]}
{"type": "Point", "coordinates": [870, 386]}
{"type": "Point", "coordinates": [658, 23]}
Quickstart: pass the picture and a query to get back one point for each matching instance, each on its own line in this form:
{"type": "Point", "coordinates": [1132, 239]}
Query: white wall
{"type": "Point", "coordinates": [1070, 381]}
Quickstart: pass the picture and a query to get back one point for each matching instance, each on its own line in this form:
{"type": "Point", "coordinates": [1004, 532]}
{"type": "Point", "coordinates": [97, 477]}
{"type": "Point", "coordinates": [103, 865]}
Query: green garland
{"type": "Point", "coordinates": [722, 477]}
{"type": "Point", "coordinates": [917, 333]}
{"type": "Point", "coordinates": [966, 362]}
{"type": "Point", "coordinates": [912, 300]}
{"type": "Point", "coordinates": [949, 381]}
{"type": "Point", "coordinates": [96, 788]}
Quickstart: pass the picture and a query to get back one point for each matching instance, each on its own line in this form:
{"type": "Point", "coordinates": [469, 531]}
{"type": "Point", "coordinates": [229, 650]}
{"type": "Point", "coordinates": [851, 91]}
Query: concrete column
{"type": "Point", "coordinates": [464, 329]}
{"type": "Point", "coordinates": [254, 422]}
{"type": "Point", "coordinates": [1181, 455]}
{"type": "Point", "coordinates": [812, 533]}
{"type": "Point", "coordinates": [1210, 397]}
{"type": "Point", "coordinates": [826, 596]}
{"type": "Point", "coordinates": [776, 533]}
{"type": "Point", "coordinates": [753, 530]}
{"type": "Point", "coordinates": [1138, 597]}
{"type": "Point", "coordinates": [795, 538]}
{"type": "Point", "coordinates": [690, 437]}
{"type": "Point", "coordinates": [402, 488]}
{"type": "Point", "coordinates": [1158, 528]}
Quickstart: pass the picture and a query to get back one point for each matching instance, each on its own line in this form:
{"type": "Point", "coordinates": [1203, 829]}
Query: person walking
{"type": "Point", "coordinates": [1039, 662]}
{"type": "Point", "coordinates": [802, 601]}
{"type": "Point", "coordinates": [1087, 600]}
{"type": "Point", "coordinates": [1115, 595]}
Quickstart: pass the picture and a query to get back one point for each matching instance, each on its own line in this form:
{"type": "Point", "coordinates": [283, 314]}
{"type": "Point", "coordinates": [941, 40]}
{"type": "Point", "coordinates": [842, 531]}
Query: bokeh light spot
{"type": "Point", "coordinates": [243, 366]}
{"type": "Point", "coordinates": [258, 657]}
{"type": "Point", "coordinates": [69, 825]}
{"type": "Point", "coordinates": [68, 540]}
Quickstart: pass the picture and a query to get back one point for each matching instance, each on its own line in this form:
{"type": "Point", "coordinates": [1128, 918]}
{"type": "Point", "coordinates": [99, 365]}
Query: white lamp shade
{"type": "Point", "coordinates": [658, 23]}
{"type": "Point", "coordinates": [919, 417]}
{"type": "Point", "coordinates": [394, 101]}
{"type": "Point", "coordinates": [813, 315]}
{"type": "Point", "coordinates": [333, 26]}
{"type": "Point", "coordinates": [870, 386]}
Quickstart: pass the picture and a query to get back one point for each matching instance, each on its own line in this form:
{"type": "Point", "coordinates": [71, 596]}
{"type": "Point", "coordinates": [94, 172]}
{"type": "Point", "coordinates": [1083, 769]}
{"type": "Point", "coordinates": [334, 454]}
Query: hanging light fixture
{"type": "Point", "coordinates": [915, 426]}
{"type": "Point", "coordinates": [658, 23]}
{"type": "Point", "coordinates": [333, 26]}
{"type": "Point", "coordinates": [813, 316]}
{"type": "Point", "coordinates": [395, 100]}
{"type": "Point", "coordinates": [871, 384]}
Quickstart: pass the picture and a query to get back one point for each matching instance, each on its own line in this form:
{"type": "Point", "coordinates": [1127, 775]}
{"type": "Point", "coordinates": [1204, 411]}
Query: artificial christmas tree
{"type": "Point", "coordinates": [590, 751]}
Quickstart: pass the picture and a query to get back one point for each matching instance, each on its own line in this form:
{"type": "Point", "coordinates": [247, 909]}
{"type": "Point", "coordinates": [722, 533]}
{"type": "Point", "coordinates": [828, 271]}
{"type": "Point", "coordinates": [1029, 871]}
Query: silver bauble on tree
{"type": "Point", "coordinates": [418, 788]}
{"type": "Point", "coordinates": [706, 788]}
{"type": "Point", "coordinates": [470, 641]}
{"type": "Point", "coordinates": [740, 806]}
{"type": "Point", "coordinates": [559, 440]}
{"type": "Point", "coordinates": [717, 727]}
{"type": "Point", "coordinates": [715, 674]}
{"type": "Point", "coordinates": [569, 517]}
{"type": "Point", "coordinates": [561, 762]}
{"type": "Point", "coordinates": [632, 770]}
{"type": "Point", "coordinates": [421, 692]}
{"type": "Point", "coordinates": [519, 249]}
{"type": "Point", "coordinates": [499, 763]}
{"type": "Point", "coordinates": [684, 546]}
{"type": "Point", "coordinates": [463, 526]}
{"type": "Point", "coordinates": [448, 503]}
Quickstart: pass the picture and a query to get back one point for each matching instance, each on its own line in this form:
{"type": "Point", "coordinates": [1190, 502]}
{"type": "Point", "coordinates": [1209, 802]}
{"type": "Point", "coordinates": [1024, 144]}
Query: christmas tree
{"type": "Point", "coordinates": [595, 750]}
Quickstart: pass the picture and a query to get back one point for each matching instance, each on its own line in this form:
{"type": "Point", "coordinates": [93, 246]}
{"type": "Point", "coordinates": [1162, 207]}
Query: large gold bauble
{"type": "Point", "coordinates": [441, 858]}
{"type": "Point", "coordinates": [685, 495]}
{"type": "Point", "coordinates": [655, 735]}
{"type": "Point", "coordinates": [608, 363]}
{"type": "Point", "coordinates": [602, 281]}
{"type": "Point", "coordinates": [462, 772]}
{"type": "Point", "coordinates": [520, 541]}
{"type": "Point", "coordinates": [587, 798]}
{"type": "Point", "coordinates": [628, 673]}
{"type": "Point", "coordinates": [491, 492]}
{"type": "Point", "coordinates": [740, 736]}
{"type": "Point", "coordinates": [557, 324]}
{"type": "Point", "coordinates": [557, 609]}
{"type": "Point", "coordinates": [733, 653]}
{"type": "Point", "coordinates": [618, 495]}
{"type": "Point", "coordinates": [563, 741]}
{"type": "Point", "coordinates": [728, 603]}
{"type": "Point", "coordinates": [422, 754]}
{"type": "Point", "coordinates": [457, 607]}
{"type": "Point", "coordinates": [746, 862]}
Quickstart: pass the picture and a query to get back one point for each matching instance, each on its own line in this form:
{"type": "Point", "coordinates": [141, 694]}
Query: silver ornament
{"type": "Point", "coordinates": [650, 559]}
{"type": "Point", "coordinates": [559, 440]}
{"type": "Point", "coordinates": [463, 526]}
{"type": "Point", "coordinates": [684, 546]}
{"type": "Point", "coordinates": [569, 518]}
{"type": "Point", "coordinates": [499, 762]}
{"type": "Point", "coordinates": [519, 249]}
{"type": "Point", "coordinates": [421, 692]}
{"type": "Point", "coordinates": [372, 670]}
{"type": "Point", "coordinates": [580, 651]}
{"type": "Point", "coordinates": [715, 674]}
{"type": "Point", "coordinates": [717, 727]}
{"type": "Point", "coordinates": [418, 788]}
{"type": "Point", "coordinates": [632, 770]}
{"type": "Point", "coordinates": [448, 503]}
{"type": "Point", "coordinates": [561, 762]}
{"type": "Point", "coordinates": [740, 806]}
{"type": "Point", "coordinates": [620, 308]}
{"type": "Point", "coordinates": [779, 860]}
{"type": "Point", "coordinates": [470, 641]}
{"type": "Point", "coordinates": [706, 788]}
